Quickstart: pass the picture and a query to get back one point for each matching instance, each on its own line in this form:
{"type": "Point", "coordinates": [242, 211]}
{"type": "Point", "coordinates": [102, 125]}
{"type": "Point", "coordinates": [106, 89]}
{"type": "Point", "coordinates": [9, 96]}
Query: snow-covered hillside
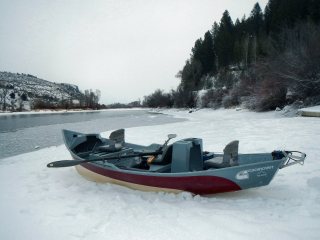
{"type": "Point", "coordinates": [25, 89]}
{"type": "Point", "coordinates": [41, 203]}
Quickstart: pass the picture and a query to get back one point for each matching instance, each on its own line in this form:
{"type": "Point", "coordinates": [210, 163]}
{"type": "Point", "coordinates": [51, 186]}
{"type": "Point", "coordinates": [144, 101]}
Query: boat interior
{"type": "Point", "coordinates": [185, 155]}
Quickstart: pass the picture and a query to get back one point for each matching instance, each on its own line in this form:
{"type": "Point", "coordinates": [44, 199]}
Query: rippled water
{"type": "Point", "coordinates": [28, 132]}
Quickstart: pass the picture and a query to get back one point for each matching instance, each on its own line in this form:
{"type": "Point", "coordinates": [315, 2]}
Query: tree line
{"type": "Point", "coordinates": [266, 60]}
{"type": "Point", "coordinates": [87, 100]}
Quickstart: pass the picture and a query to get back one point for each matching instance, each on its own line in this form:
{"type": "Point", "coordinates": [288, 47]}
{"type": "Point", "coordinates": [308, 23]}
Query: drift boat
{"type": "Point", "coordinates": [181, 166]}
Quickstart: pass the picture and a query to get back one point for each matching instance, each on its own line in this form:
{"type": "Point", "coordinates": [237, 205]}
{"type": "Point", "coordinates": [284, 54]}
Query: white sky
{"type": "Point", "coordinates": [127, 49]}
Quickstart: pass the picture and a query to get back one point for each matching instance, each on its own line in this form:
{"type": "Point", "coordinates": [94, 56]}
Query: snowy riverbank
{"type": "Point", "coordinates": [41, 203]}
{"type": "Point", "coordinates": [65, 111]}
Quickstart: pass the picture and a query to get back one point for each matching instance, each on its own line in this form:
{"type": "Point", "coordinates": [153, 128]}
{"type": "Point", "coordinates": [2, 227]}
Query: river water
{"type": "Point", "coordinates": [21, 133]}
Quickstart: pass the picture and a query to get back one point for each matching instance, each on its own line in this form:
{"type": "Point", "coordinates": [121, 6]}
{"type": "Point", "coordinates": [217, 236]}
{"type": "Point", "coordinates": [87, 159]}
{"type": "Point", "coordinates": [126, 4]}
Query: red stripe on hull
{"type": "Point", "coordinates": [194, 184]}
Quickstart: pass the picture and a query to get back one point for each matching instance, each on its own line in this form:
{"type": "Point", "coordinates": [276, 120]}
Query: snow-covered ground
{"type": "Point", "coordinates": [41, 203]}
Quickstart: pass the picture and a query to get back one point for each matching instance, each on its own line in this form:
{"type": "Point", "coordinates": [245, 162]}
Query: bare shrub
{"type": "Point", "coordinates": [224, 80]}
{"type": "Point", "coordinates": [158, 99]}
{"type": "Point", "coordinates": [249, 102]}
{"type": "Point", "coordinates": [183, 98]}
{"type": "Point", "coordinates": [42, 104]}
{"type": "Point", "coordinates": [270, 94]}
{"type": "Point", "coordinates": [234, 96]}
{"type": "Point", "coordinates": [212, 98]}
{"type": "Point", "coordinates": [295, 62]}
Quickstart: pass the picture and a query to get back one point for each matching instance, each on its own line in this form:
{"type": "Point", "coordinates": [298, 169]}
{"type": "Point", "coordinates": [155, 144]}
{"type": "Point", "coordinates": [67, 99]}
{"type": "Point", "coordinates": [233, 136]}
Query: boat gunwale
{"type": "Point", "coordinates": [204, 172]}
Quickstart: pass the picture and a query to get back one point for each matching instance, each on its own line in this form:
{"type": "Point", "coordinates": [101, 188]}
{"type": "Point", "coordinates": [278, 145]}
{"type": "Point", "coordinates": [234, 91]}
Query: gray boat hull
{"type": "Point", "coordinates": [252, 170]}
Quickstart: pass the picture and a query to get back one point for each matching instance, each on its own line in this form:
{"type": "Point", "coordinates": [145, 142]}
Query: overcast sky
{"type": "Point", "coordinates": [125, 48]}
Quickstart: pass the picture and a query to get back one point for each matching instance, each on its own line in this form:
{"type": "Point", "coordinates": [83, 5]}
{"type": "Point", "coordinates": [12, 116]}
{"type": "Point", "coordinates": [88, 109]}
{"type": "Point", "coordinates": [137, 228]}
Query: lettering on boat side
{"type": "Point", "coordinates": [261, 172]}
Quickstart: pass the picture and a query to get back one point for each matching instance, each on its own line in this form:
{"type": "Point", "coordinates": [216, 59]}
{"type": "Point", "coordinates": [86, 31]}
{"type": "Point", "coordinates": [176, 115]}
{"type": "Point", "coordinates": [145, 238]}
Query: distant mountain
{"type": "Point", "coordinates": [24, 91]}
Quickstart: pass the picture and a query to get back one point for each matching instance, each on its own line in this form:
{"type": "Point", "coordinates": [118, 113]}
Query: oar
{"type": "Point", "coordinates": [70, 163]}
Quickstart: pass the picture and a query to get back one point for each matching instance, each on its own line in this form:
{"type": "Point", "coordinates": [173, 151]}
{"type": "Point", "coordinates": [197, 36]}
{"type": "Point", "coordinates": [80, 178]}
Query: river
{"type": "Point", "coordinates": [21, 133]}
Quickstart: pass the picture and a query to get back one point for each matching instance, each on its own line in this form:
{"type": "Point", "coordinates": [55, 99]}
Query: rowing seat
{"type": "Point", "coordinates": [114, 143]}
{"type": "Point", "coordinates": [110, 147]}
{"type": "Point", "coordinates": [229, 158]}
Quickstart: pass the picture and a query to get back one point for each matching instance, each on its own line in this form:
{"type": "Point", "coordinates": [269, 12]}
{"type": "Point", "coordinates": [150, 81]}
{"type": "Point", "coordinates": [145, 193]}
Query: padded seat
{"type": "Point", "coordinates": [115, 143]}
{"type": "Point", "coordinates": [111, 147]}
{"type": "Point", "coordinates": [229, 158]}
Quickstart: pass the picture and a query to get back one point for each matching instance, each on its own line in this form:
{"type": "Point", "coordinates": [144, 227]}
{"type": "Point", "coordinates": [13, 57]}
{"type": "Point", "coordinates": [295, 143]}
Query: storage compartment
{"type": "Point", "coordinates": [187, 155]}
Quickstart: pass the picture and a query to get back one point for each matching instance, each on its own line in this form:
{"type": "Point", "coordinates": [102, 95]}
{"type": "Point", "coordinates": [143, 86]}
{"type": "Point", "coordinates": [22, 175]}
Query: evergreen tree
{"type": "Point", "coordinates": [240, 44]}
{"type": "Point", "coordinates": [258, 39]}
{"type": "Point", "coordinates": [208, 60]}
{"type": "Point", "coordinates": [256, 20]}
{"type": "Point", "coordinates": [191, 75]}
{"type": "Point", "coordinates": [314, 10]}
{"type": "Point", "coordinates": [197, 50]}
{"type": "Point", "coordinates": [224, 41]}
{"type": "Point", "coordinates": [286, 13]}
{"type": "Point", "coordinates": [271, 16]}
{"type": "Point", "coordinates": [204, 53]}
{"type": "Point", "coordinates": [214, 30]}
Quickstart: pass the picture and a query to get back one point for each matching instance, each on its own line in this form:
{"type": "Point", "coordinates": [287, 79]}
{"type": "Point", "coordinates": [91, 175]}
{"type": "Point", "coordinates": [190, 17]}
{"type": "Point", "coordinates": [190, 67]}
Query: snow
{"type": "Point", "coordinates": [41, 203]}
